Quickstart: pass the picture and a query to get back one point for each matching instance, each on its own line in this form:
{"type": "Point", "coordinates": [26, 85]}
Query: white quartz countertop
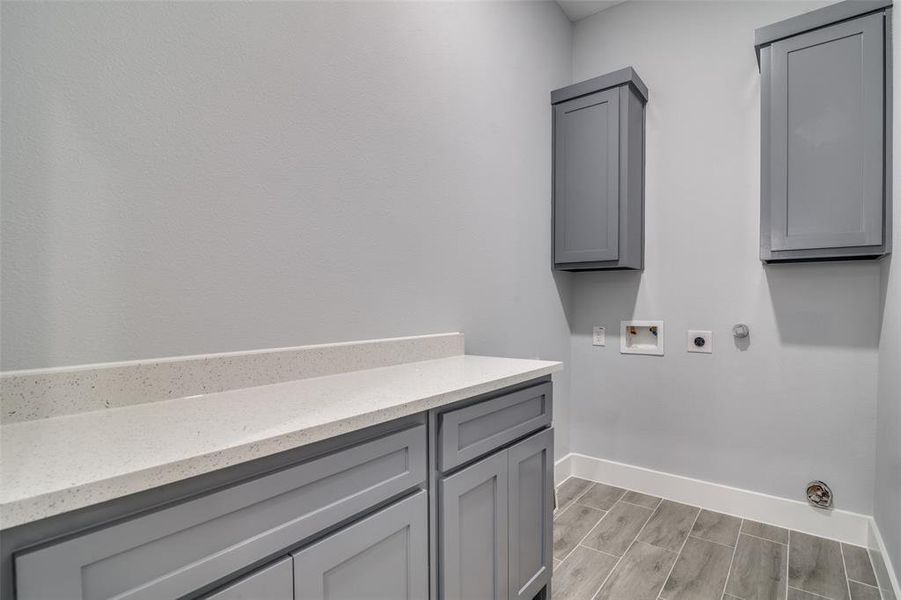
{"type": "Point", "coordinates": [55, 465]}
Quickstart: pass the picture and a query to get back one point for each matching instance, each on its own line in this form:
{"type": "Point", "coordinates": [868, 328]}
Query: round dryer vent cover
{"type": "Point", "coordinates": [819, 494]}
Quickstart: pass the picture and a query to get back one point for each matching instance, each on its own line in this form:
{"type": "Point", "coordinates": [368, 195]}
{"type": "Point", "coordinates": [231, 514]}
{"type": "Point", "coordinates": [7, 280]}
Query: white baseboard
{"type": "Point", "coordinates": [562, 470]}
{"type": "Point", "coordinates": [844, 526]}
{"type": "Point", "coordinates": [877, 544]}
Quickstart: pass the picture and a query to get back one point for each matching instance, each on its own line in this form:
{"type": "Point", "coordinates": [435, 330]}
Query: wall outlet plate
{"type": "Point", "coordinates": [699, 341]}
{"type": "Point", "coordinates": [598, 336]}
{"type": "Point", "coordinates": [641, 337]}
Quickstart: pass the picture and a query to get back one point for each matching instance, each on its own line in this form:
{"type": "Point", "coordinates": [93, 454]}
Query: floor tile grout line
{"type": "Point", "coordinates": [732, 561]}
{"type": "Point", "coordinates": [615, 502]}
{"type": "Point", "coordinates": [579, 543]}
{"type": "Point", "coordinates": [863, 583]}
{"type": "Point", "coordinates": [788, 562]}
{"type": "Point", "coordinates": [576, 498]}
{"type": "Point", "coordinates": [584, 537]}
{"type": "Point", "coordinates": [841, 549]}
{"type": "Point", "coordinates": [598, 551]}
{"type": "Point", "coordinates": [593, 527]}
{"type": "Point", "coordinates": [560, 511]}
{"type": "Point", "coordinates": [616, 566]}
{"type": "Point", "coordinates": [589, 531]}
{"type": "Point", "coordinates": [876, 576]}
{"type": "Point", "coordinates": [791, 587]}
{"type": "Point", "coordinates": [740, 533]}
{"type": "Point", "coordinates": [641, 505]}
{"type": "Point", "coordinates": [679, 554]}
{"type": "Point", "coordinates": [606, 512]}
{"type": "Point", "coordinates": [697, 537]}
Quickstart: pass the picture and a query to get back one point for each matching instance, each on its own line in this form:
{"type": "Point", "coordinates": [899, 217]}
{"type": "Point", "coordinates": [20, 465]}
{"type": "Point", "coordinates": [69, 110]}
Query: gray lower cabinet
{"type": "Point", "coordinates": [371, 515]}
{"type": "Point", "coordinates": [477, 429]}
{"type": "Point", "coordinates": [495, 524]}
{"type": "Point", "coordinates": [530, 467]}
{"type": "Point", "coordinates": [825, 154]}
{"type": "Point", "coordinates": [599, 173]}
{"type": "Point", "coordinates": [172, 552]}
{"type": "Point", "coordinates": [381, 557]}
{"type": "Point", "coordinates": [473, 524]}
{"type": "Point", "coordinates": [272, 582]}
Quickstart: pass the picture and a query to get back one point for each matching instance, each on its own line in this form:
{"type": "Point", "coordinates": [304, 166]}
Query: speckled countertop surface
{"type": "Point", "coordinates": [54, 465]}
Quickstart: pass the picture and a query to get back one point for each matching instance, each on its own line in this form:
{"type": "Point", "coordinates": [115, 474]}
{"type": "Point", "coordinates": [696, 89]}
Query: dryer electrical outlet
{"type": "Point", "coordinates": [699, 341]}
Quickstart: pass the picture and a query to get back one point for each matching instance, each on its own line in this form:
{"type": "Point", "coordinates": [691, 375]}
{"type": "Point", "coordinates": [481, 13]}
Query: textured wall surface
{"type": "Point", "coordinates": [187, 178]}
{"type": "Point", "coordinates": [888, 437]}
{"type": "Point", "coordinates": [184, 178]}
{"type": "Point", "coordinates": [799, 401]}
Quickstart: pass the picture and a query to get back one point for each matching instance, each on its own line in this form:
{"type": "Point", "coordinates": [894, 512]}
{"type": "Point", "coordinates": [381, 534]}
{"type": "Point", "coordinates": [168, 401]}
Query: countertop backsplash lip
{"type": "Point", "coordinates": [33, 394]}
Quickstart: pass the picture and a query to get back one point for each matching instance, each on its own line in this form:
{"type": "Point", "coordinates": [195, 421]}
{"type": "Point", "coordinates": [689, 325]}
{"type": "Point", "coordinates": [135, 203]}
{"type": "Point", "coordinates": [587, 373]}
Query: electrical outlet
{"type": "Point", "coordinates": [598, 336]}
{"type": "Point", "coordinates": [700, 341]}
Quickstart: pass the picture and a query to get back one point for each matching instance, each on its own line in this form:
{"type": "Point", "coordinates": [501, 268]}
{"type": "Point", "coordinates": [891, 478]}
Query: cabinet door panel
{"type": "Point", "coordinates": [273, 582]}
{"type": "Point", "coordinates": [531, 476]}
{"type": "Point", "coordinates": [382, 557]}
{"type": "Point", "coordinates": [826, 136]}
{"type": "Point", "coordinates": [473, 531]}
{"type": "Point", "coordinates": [586, 178]}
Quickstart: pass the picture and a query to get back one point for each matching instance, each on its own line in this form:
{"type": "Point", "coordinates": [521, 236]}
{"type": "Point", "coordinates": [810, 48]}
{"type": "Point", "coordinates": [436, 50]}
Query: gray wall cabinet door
{"type": "Point", "coordinates": [586, 157]}
{"type": "Point", "coordinates": [823, 142]}
{"type": "Point", "coordinates": [531, 506]}
{"type": "Point", "coordinates": [381, 557]}
{"type": "Point", "coordinates": [473, 531]}
{"type": "Point", "coordinates": [272, 582]}
{"type": "Point", "coordinates": [599, 173]}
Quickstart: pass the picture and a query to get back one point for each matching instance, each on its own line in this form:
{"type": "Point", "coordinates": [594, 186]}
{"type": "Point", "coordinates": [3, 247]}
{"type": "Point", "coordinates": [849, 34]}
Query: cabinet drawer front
{"type": "Point", "coordinates": [174, 551]}
{"type": "Point", "coordinates": [382, 556]}
{"type": "Point", "coordinates": [273, 582]}
{"type": "Point", "coordinates": [472, 431]}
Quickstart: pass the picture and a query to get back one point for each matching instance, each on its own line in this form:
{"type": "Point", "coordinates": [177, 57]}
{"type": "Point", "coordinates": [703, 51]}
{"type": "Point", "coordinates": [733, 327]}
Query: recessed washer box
{"type": "Point", "coordinates": [641, 337]}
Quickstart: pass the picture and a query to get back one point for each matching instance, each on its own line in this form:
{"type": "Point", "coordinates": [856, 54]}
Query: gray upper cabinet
{"type": "Point", "coordinates": [599, 173]}
{"type": "Point", "coordinates": [825, 140]}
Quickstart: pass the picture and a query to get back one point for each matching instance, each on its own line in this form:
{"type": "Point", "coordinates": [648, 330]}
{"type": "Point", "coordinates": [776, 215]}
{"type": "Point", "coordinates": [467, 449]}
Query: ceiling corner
{"type": "Point", "coordinates": [579, 9]}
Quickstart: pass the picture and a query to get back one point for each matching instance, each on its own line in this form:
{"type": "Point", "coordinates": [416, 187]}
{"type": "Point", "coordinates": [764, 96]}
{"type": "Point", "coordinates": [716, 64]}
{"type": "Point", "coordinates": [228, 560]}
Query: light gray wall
{"type": "Point", "coordinates": [799, 402]}
{"type": "Point", "coordinates": [183, 178]}
{"type": "Point", "coordinates": [888, 436]}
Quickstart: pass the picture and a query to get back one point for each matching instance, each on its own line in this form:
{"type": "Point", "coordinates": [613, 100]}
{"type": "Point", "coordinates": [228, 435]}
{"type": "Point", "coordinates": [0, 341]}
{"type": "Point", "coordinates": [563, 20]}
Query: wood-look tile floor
{"type": "Point", "coordinates": [616, 544]}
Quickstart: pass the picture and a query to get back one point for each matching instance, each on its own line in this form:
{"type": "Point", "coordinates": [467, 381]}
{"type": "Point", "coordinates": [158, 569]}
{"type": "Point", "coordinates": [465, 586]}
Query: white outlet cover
{"type": "Point", "coordinates": [707, 336]}
{"type": "Point", "coordinates": [598, 336]}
